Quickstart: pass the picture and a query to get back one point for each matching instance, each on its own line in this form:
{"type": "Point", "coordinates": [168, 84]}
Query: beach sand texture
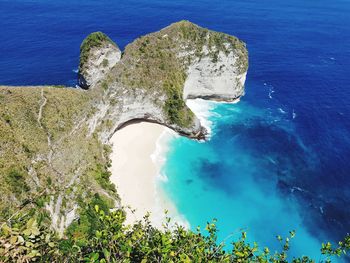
{"type": "Point", "coordinates": [135, 170]}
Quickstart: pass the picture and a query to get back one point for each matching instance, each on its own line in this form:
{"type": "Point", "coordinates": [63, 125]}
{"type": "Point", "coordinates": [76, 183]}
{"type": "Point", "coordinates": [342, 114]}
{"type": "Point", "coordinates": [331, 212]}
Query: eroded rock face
{"type": "Point", "coordinates": [159, 71]}
{"type": "Point", "coordinates": [218, 81]}
{"type": "Point", "coordinates": [98, 55]}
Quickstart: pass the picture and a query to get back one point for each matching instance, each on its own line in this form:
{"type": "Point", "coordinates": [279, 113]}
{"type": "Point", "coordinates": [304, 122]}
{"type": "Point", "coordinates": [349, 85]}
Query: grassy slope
{"type": "Point", "coordinates": [24, 145]}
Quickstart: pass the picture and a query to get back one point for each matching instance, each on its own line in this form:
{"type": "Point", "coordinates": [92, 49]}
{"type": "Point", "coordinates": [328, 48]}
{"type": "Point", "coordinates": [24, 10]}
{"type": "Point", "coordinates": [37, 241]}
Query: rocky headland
{"type": "Point", "coordinates": [55, 141]}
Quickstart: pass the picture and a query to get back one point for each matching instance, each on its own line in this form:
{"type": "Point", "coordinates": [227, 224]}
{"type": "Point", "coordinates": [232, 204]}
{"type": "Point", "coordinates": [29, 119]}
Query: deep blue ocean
{"type": "Point", "coordinates": [279, 160]}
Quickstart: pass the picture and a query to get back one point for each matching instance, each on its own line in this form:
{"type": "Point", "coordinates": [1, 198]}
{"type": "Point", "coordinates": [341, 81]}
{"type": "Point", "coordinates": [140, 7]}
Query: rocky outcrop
{"type": "Point", "coordinates": [221, 80]}
{"type": "Point", "coordinates": [98, 54]}
{"type": "Point", "coordinates": [159, 71]}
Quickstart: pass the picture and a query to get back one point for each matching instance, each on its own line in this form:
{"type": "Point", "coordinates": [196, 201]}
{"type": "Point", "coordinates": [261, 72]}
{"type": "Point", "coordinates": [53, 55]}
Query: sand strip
{"type": "Point", "coordinates": [135, 173]}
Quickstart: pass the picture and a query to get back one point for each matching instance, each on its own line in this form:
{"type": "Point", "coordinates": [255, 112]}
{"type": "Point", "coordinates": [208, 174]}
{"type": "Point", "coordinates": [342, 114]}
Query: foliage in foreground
{"type": "Point", "coordinates": [27, 239]}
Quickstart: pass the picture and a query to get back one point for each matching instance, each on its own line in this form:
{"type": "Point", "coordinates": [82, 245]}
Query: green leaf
{"type": "Point", "coordinates": [29, 244]}
{"type": "Point", "coordinates": [51, 244]}
{"type": "Point", "coordinates": [34, 253]}
{"type": "Point", "coordinates": [35, 231]}
{"type": "Point", "coordinates": [239, 254]}
{"type": "Point", "coordinates": [47, 238]}
{"type": "Point", "coordinates": [13, 240]}
{"type": "Point", "coordinates": [6, 229]}
{"type": "Point", "coordinates": [27, 232]}
{"type": "Point", "coordinates": [31, 222]}
{"type": "Point", "coordinates": [106, 253]}
{"type": "Point", "coordinates": [94, 257]}
{"type": "Point", "coordinates": [98, 234]}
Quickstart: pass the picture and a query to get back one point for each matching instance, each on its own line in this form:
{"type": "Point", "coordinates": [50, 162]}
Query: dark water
{"type": "Point", "coordinates": [279, 159]}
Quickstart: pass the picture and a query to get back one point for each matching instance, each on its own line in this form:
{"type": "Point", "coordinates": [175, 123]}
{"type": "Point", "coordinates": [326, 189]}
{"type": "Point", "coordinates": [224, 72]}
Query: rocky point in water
{"type": "Point", "coordinates": [55, 141]}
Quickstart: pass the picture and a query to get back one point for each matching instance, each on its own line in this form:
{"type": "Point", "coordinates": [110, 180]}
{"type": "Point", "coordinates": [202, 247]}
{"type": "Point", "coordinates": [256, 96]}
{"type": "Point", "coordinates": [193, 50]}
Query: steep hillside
{"type": "Point", "coordinates": [54, 141]}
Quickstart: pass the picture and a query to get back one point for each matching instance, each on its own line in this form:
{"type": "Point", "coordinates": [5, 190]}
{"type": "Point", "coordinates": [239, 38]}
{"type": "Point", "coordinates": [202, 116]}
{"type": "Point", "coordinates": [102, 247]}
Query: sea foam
{"type": "Point", "coordinates": [162, 201]}
{"type": "Point", "coordinates": [203, 110]}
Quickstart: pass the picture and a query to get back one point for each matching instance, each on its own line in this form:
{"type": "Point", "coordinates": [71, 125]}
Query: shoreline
{"type": "Point", "coordinates": [138, 153]}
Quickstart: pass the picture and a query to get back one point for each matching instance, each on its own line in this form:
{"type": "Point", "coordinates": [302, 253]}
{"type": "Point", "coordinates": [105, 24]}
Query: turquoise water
{"type": "Point", "coordinates": [276, 161]}
{"type": "Point", "coordinates": [234, 176]}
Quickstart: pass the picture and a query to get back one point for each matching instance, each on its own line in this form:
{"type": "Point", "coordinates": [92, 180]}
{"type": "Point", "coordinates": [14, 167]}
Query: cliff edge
{"type": "Point", "coordinates": [54, 141]}
{"type": "Point", "coordinates": [158, 72]}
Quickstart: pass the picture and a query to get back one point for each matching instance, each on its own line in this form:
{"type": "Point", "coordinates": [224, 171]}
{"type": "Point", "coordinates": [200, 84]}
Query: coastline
{"type": "Point", "coordinates": [138, 153]}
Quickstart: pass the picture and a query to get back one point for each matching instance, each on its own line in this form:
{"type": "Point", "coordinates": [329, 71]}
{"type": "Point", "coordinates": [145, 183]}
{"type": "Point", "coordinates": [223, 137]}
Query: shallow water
{"type": "Point", "coordinates": [241, 177]}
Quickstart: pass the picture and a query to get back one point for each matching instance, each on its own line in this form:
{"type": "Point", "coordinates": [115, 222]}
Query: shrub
{"type": "Point", "coordinates": [105, 63]}
{"type": "Point", "coordinates": [111, 240]}
{"type": "Point", "coordinates": [16, 180]}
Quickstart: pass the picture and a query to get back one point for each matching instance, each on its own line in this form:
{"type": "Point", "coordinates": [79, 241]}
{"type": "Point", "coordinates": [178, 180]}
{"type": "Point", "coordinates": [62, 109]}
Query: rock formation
{"type": "Point", "coordinates": [54, 141]}
{"type": "Point", "coordinates": [158, 72]}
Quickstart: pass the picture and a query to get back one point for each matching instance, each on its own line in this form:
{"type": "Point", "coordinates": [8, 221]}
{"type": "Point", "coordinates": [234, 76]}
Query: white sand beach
{"type": "Point", "coordinates": [135, 173]}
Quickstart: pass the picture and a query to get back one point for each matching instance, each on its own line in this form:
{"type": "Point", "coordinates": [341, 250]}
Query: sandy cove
{"type": "Point", "coordinates": [135, 174]}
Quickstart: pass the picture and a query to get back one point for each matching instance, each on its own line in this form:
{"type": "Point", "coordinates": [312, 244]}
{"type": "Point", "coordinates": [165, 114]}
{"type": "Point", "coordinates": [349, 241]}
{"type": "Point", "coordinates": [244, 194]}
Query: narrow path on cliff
{"type": "Point", "coordinates": [43, 101]}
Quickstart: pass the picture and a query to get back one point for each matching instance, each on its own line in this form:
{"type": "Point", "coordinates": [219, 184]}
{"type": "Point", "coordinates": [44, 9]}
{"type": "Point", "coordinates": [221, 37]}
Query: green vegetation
{"type": "Point", "coordinates": [101, 236]}
{"type": "Point", "coordinates": [104, 85]}
{"type": "Point", "coordinates": [52, 155]}
{"type": "Point", "coordinates": [81, 230]}
{"type": "Point", "coordinates": [16, 181]}
{"type": "Point", "coordinates": [102, 175]}
{"type": "Point", "coordinates": [175, 106]}
{"type": "Point", "coordinates": [45, 147]}
{"type": "Point", "coordinates": [152, 62]}
{"type": "Point", "coordinates": [94, 40]}
{"type": "Point", "coordinates": [197, 37]}
{"type": "Point", "coordinates": [105, 63]}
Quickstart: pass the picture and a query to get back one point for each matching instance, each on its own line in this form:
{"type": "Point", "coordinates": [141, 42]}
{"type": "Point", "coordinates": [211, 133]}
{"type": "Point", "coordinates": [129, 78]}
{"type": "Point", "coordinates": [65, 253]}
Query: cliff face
{"type": "Point", "coordinates": [222, 80]}
{"type": "Point", "coordinates": [54, 142]}
{"type": "Point", "coordinates": [98, 54]}
{"type": "Point", "coordinates": [159, 71]}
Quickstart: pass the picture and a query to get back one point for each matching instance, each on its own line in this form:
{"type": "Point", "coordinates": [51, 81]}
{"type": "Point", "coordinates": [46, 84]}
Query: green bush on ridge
{"type": "Point", "coordinates": [109, 239]}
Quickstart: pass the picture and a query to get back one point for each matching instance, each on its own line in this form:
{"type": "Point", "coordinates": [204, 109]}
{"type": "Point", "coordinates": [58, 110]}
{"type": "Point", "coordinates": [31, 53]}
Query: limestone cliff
{"type": "Point", "coordinates": [54, 141]}
{"type": "Point", "coordinates": [98, 54]}
{"type": "Point", "coordinates": [159, 71]}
